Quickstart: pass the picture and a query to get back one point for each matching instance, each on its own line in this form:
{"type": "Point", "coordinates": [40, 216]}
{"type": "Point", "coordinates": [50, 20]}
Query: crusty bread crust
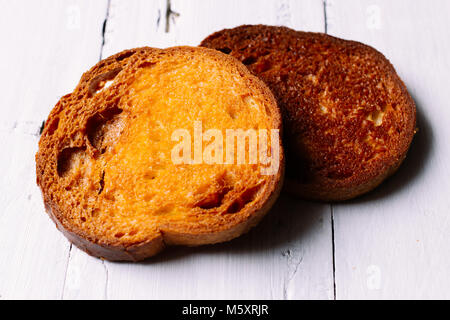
{"type": "Point", "coordinates": [67, 129]}
{"type": "Point", "coordinates": [349, 119]}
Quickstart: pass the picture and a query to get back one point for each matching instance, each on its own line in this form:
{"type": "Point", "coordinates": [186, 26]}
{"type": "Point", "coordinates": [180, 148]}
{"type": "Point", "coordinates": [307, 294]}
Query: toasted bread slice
{"type": "Point", "coordinates": [348, 118]}
{"type": "Point", "coordinates": [105, 167]}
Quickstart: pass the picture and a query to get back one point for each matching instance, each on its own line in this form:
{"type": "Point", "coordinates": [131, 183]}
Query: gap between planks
{"type": "Point", "coordinates": [325, 19]}
{"type": "Point", "coordinates": [333, 250]}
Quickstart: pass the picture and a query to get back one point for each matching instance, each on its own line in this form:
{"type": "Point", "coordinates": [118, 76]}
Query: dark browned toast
{"type": "Point", "coordinates": [348, 117]}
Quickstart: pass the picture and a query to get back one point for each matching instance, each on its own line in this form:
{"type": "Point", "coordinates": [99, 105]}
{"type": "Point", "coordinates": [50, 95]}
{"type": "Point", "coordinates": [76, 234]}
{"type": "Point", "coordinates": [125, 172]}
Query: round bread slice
{"type": "Point", "coordinates": [348, 118]}
{"type": "Point", "coordinates": [106, 164]}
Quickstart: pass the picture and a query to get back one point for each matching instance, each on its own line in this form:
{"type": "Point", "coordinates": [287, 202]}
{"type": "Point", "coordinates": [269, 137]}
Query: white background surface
{"type": "Point", "coordinates": [392, 243]}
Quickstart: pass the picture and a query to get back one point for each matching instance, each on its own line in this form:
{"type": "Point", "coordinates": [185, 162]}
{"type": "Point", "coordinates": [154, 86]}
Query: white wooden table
{"type": "Point", "coordinates": [392, 243]}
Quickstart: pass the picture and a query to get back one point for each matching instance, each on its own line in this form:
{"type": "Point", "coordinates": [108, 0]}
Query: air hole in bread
{"type": "Point", "coordinates": [225, 50]}
{"type": "Point", "coordinates": [249, 195]}
{"type": "Point", "coordinates": [234, 207]}
{"type": "Point", "coordinates": [249, 61]}
{"type": "Point", "coordinates": [53, 126]}
{"type": "Point", "coordinates": [213, 200]}
{"type": "Point", "coordinates": [245, 198]}
{"type": "Point", "coordinates": [119, 235]}
{"type": "Point", "coordinates": [102, 182]}
{"type": "Point", "coordinates": [268, 112]}
{"type": "Point", "coordinates": [98, 83]}
{"type": "Point", "coordinates": [70, 159]}
{"type": "Point", "coordinates": [376, 117]}
{"type": "Point", "coordinates": [104, 128]}
{"type": "Point", "coordinates": [125, 55]}
{"type": "Point", "coordinates": [146, 64]}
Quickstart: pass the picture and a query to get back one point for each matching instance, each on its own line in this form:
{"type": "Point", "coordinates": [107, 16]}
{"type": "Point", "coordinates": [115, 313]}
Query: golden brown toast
{"type": "Point", "coordinates": [105, 164]}
{"type": "Point", "coordinates": [348, 118]}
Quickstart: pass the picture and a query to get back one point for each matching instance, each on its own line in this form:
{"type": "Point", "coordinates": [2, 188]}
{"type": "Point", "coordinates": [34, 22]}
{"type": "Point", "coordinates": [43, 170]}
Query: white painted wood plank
{"type": "Point", "coordinates": [80, 266]}
{"type": "Point", "coordinates": [290, 254]}
{"type": "Point", "coordinates": [138, 23]}
{"type": "Point", "coordinates": [49, 44]}
{"type": "Point", "coordinates": [394, 242]}
{"type": "Point", "coordinates": [134, 23]}
{"type": "Point", "coordinates": [197, 19]}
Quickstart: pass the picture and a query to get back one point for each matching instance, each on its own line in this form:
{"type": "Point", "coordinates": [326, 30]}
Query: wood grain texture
{"type": "Point", "coordinates": [43, 61]}
{"type": "Point", "coordinates": [393, 243]}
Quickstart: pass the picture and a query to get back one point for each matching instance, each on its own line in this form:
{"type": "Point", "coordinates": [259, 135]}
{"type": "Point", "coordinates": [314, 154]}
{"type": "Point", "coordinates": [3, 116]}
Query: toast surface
{"type": "Point", "coordinates": [105, 164]}
{"type": "Point", "coordinates": [348, 118]}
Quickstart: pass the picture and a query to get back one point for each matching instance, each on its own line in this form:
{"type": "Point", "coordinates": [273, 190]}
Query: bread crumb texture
{"type": "Point", "coordinates": [348, 117]}
{"type": "Point", "coordinates": [104, 161]}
